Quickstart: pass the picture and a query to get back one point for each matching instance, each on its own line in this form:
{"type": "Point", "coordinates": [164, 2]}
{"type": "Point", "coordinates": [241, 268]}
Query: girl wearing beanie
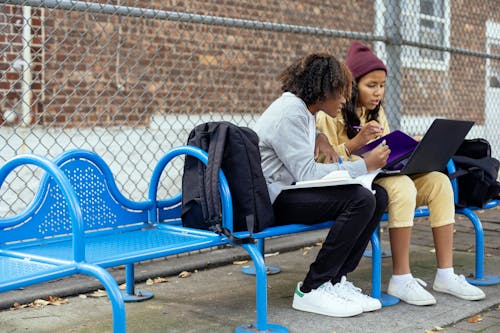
{"type": "Point", "coordinates": [287, 135]}
{"type": "Point", "coordinates": [363, 119]}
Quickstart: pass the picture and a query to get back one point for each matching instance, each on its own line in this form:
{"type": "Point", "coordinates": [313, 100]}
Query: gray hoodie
{"type": "Point", "coordinates": [287, 132]}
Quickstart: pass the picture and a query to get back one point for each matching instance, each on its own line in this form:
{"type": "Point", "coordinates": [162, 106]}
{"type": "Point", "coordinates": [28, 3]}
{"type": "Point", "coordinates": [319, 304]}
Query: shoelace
{"type": "Point", "coordinates": [411, 283]}
{"type": "Point", "coordinates": [461, 279]}
{"type": "Point", "coordinates": [349, 285]}
{"type": "Point", "coordinates": [330, 289]}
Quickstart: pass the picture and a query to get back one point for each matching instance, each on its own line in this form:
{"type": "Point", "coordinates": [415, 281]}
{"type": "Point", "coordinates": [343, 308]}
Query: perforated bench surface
{"type": "Point", "coordinates": [137, 244]}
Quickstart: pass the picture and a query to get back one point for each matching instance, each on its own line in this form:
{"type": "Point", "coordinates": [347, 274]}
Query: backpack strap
{"type": "Point", "coordinates": [458, 173]}
{"type": "Point", "coordinates": [214, 209]}
{"type": "Point", "coordinates": [215, 156]}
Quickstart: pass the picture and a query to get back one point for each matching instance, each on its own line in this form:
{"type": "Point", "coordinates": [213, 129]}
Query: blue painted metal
{"type": "Point", "coordinates": [271, 328]}
{"type": "Point", "coordinates": [107, 229]}
{"type": "Point", "coordinates": [68, 194]}
{"type": "Point", "coordinates": [479, 277]}
{"type": "Point", "coordinates": [225, 193]}
{"type": "Point", "coordinates": [385, 299]}
{"type": "Point", "coordinates": [130, 294]}
{"type": "Point", "coordinates": [261, 325]}
{"type": "Point", "coordinates": [271, 270]}
{"type": "Point", "coordinates": [114, 294]}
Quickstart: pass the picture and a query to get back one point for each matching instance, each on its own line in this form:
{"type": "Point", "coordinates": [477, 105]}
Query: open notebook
{"type": "Point", "coordinates": [400, 143]}
{"type": "Point", "coordinates": [336, 178]}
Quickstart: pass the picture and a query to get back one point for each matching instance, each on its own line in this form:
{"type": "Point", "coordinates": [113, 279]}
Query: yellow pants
{"type": "Point", "coordinates": [432, 189]}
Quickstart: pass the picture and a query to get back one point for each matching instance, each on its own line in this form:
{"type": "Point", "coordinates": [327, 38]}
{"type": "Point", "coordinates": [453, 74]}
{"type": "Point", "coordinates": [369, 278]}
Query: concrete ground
{"type": "Point", "coordinates": [217, 297]}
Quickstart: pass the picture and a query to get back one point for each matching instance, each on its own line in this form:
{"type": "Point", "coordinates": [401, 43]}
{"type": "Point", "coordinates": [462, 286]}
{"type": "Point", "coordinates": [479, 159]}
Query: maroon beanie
{"type": "Point", "coordinates": [361, 60]}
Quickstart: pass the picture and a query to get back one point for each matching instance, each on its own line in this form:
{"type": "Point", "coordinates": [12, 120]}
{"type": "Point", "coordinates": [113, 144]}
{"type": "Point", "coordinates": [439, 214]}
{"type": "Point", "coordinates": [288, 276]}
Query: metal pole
{"type": "Point", "coordinates": [393, 48]}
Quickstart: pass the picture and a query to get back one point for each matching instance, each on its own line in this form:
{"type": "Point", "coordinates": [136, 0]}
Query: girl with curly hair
{"type": "Point", "coordinates": [287, 132]}
{"type": "Point", "coordinates": [363, 119]}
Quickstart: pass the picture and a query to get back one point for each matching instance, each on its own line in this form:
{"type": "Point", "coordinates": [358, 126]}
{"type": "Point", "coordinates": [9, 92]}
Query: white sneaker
{"type": "Point", "coordinates": [458, 286]}
{"type": "Point", "coordinates": [411, 292]}
{"type": "Point", "coordinates": [347, 290]}
{"type": "Point", "coordinates": [322, 301]}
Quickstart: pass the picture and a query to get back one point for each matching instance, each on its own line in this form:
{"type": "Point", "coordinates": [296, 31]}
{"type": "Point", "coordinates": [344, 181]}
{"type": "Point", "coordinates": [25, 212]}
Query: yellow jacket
{"type": "Point", "coordinates": [334, 128]}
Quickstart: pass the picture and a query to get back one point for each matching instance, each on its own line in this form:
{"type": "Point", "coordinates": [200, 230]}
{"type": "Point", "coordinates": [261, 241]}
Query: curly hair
{"type": "Point", "coordinates": [350, 116]}
{"type": "Point", "coordinates": [317, 77]}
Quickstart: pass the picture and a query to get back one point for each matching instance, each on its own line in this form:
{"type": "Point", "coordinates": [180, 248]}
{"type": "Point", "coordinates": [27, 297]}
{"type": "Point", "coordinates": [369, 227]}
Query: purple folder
{"type": "Point", "coordinates": [401, 144]}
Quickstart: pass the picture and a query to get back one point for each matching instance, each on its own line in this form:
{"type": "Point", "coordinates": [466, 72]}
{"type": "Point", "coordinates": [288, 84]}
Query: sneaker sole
{"type": "Point", "coordinates": [312, 309]}
{"type": "Point", "coordinates": [417, 302]}
{"type": "Point", "coordinates": [375, 308]}
{"type": "Point", "coordinates": [466, 297]}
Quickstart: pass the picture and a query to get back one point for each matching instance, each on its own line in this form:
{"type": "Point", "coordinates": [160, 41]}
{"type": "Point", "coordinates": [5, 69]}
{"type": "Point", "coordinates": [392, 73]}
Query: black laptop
{"type": "Point", "coordinates": [438, 145]}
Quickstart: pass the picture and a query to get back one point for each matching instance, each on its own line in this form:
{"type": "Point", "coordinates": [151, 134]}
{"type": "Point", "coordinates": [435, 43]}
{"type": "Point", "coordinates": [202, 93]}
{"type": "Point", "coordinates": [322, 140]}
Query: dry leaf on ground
{"type": "Point", "coordinates": [98, 293]}
{"type": "Point", "coordinates": [17, 306]}
{"type": "Point", "coordinates": [149, 282]}
{"type": "Point", "coordinates": [271, 254]}
{"type": "Point", "coordinates": [160, 280]}
{"type": "Point", "coordinates": [38, 303]}
{"type": "Point", "coordinates": [240, 262]}
{"type": "Point", "coordinates": [122, 286]}
{"type": "Point", "coordinates": [475, 319]}
{"type": "Point", "coordinates": [53, 300]}
{"type": "Point", "coordinates": [184, 274]}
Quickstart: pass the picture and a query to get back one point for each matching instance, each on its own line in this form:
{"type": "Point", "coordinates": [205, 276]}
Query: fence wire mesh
{"type": "Point", "coordinates": [129, 79]}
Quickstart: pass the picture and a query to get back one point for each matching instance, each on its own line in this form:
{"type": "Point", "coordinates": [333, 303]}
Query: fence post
{"type": "Point", "coordinates": [393, 47]}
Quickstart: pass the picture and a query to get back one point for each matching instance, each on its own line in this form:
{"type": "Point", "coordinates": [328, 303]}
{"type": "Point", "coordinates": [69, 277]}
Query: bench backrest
{"type": "Point", "coordinates": [103, 207]}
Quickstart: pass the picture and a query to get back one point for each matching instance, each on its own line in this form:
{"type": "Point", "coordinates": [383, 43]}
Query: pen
{"type": "Point", "coordinates": [360, 127]}
{"type": "Point", "coordinates": [340, 160]}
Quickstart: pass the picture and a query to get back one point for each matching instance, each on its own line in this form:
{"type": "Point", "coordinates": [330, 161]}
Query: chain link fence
{"type": "Point", "coordinates": [129, 79]}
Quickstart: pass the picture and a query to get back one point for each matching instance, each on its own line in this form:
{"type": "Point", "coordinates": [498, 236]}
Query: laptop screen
{"type": "Point", "coordinates": [438, 145]}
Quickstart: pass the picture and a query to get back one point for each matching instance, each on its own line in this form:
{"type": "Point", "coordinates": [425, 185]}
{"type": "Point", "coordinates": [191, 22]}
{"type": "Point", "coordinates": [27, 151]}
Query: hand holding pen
{"type": "Point", "coordinates": [377, 158]}
{"type": "Point", "coordinates": [369, 132]}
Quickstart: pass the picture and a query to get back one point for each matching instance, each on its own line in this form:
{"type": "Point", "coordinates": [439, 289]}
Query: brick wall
{"type": "Point", "coordinates": [107, 70]}
{"type": "Point", "coordinates": [102, 70]}
{"type": "Point", "coordinates": [11, 49]}
{"type": "Point", "coordinates": [459, 91]}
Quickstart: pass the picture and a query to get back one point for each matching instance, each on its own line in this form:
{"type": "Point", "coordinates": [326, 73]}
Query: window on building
{"type": "Point", "coordinates": [422, 21]}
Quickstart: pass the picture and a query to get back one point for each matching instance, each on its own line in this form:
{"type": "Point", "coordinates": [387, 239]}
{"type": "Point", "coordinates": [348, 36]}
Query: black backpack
{"type": "Point", "coordinates": [476, 173]}
{"type": "Point", "coordinates": [236, 150]}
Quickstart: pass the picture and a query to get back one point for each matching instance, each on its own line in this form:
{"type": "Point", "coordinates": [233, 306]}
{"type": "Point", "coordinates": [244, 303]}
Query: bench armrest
{"type": "Point", "coordinates": [66, 189]}
{"type": "Point", "coordinates": [225, 193]}
{"type": "Point", "coordinates": [450, 167]}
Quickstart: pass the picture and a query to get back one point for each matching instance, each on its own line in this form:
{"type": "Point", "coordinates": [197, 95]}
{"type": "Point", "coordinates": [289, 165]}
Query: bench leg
{"type": "Point", "coordinates": [261, 325]}
{"type": "Point", "coordinates": [385, 299]}
{"type": "Point", "coordinates": [130, 294]}
{"type": "Point", "coordinates": [479, 279]}
{"type": "Point", "coordinates": [385, 253]}
{"type": "Point", "coordinates": [114, 294]}
{"type": "Point", "coordinates": [250, 270]}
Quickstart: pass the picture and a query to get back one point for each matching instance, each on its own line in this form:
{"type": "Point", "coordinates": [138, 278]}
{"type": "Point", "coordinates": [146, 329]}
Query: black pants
{"type": "Point", "coordinates": [356, 212]}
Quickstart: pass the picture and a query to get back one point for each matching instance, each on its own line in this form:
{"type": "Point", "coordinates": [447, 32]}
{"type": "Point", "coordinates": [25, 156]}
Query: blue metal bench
{"type": "Point", "coordinates": [80, 223]}
{"type": "Point", "coordinates": [28, 229]}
